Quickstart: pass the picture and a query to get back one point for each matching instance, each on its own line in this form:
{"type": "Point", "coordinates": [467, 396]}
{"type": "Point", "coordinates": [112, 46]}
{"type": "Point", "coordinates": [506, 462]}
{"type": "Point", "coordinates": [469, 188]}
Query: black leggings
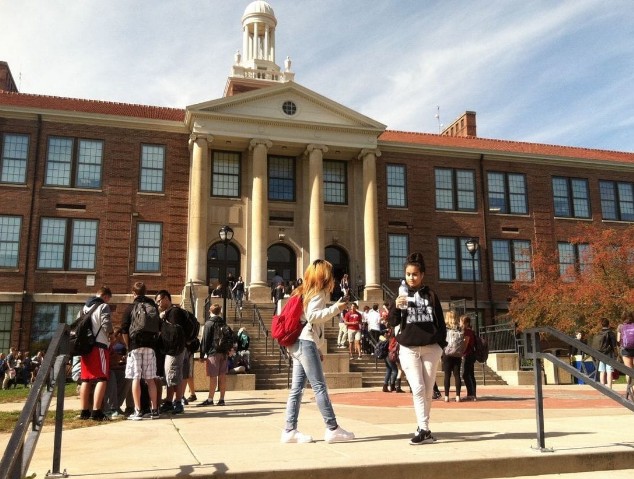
{"type": "Point", "coordinates": [451, 365]}
{"type": "Point", "coordinates": [468, 374]}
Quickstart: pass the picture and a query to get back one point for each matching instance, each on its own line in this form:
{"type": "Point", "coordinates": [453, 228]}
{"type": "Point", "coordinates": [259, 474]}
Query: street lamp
{"type": "Point", "coordinates": [226, 235]}
{"type": "Point", "coordinates": [472, 247]}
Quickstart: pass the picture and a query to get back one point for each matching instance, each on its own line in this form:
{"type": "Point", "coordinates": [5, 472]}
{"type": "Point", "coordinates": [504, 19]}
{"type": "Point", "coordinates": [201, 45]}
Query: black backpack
{"type": "Point", "coordinates": [224, 338]}
{"type": "Point", "coordinates": [191, 330]}
{"type": "Point", "coordinates": [172, 338]}
{"type": "Point", "coordinates": [381, 349]}
{"type": "Point", "coordinates": [83, 338]}
{"type": "Point", "coordinates": [146, 324]}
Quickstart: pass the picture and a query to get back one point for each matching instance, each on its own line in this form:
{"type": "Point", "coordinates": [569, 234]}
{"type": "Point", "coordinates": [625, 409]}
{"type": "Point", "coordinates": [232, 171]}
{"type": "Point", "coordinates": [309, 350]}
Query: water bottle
{"type": "Point", "coordinates": [403, 291]}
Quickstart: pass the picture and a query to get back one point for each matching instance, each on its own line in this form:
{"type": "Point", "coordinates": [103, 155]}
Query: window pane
{"type": "Point", "coordinates": [444, 189]}
{"type": "Point", "coordinates": [335, 182]}
{"type": "Point", "coordinates": [148, 251]}
{"type": "Point", "coordinates": [6, 319]}
{"type": "Point", "coordinates": [89, 164]}
{"type": "Point", "coordinates": [522, 260]}
{"type": "Point", "coordinates": [447, 261]}
{"type": "Point", "coordinates": [281, 178]}
{"type": "Point", "coordinates": [152, 168]}
{"type": "Point", "coordinates": [398, 247]}
{"type": "Point", "coordinates": [14, 155]}
{"type": "Point", "coordinates": [46, 319]}
{"type": "Point", "coordinates": [517, 194]}
{"type": "Point", "coordinates": [560, 196]}
{"type": "Point", "coordinates": [466, 189]}
{"type": "Point", "coordinates": [58, 163]}
{"type": "Point", "coordinates": [501, 260]}
{"type": "Point", "coordinates": [497, 197]}
{"type": "Point", "coordinates": [84, 245]}
{"type": "Point", "coordinates": [396, 185]}
{"type": "Point", "coordinates": [566, 259]}
{"type": "Point", "coordinates": [52, 238]}
{"type": "Point", "coordinates": [9, 241]}
{"type": "Point", "coordinates": [608, 200]}
{"type": "Point", "coordinates": [226, 174]}
{"type": "Point", "coordinates": [626, 202]}
{"type": "Point", "coordinates": [581, 200]}
{"type": "Point", "coordinates": [584, 256]}
{"type": "Point", "coordinates": [468, 263]}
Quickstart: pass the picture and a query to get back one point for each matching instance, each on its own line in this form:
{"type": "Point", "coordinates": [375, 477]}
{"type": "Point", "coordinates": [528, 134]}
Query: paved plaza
{"type": "Point", "coordinates": [493, 437]}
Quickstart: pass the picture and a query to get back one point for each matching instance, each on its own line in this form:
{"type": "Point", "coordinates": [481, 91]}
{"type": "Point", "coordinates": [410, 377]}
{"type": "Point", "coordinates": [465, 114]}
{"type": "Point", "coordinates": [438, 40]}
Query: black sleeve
{"type": "Point", "coordinates": [127, 319]}
{"type": "Point", "coordinates": [396, 315]}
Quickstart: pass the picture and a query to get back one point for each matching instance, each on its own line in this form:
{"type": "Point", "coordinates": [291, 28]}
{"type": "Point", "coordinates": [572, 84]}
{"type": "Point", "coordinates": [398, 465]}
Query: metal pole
{"type": "Point", "coordinates": [539, 396]}
{"type": "Point", "coordinates": [224, 291]}
{"type": "Point", "coordinates": [475, 294]}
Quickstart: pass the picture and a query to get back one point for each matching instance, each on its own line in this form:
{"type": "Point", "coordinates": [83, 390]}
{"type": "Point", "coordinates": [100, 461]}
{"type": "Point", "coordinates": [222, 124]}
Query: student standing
{"type": "Point", "coordinates": [307, 356]}
{"type": "Point", "coordinates": [419, 326]}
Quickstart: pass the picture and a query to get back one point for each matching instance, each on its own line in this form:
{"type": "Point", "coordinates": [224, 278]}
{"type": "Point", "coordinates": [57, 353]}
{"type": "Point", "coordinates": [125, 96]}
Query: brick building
{"type": "Point", "coordinates": [96, 193]}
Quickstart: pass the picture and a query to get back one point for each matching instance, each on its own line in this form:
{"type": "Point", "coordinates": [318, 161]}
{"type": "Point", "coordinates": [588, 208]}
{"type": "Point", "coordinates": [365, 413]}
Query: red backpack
{"type": "Point", "coordinates": [287, 326]}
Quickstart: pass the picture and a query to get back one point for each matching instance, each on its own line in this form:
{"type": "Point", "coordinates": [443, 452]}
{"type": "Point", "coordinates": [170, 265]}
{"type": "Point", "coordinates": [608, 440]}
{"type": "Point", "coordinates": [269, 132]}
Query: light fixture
{"type": "Point", "coordinates": [226, 235]}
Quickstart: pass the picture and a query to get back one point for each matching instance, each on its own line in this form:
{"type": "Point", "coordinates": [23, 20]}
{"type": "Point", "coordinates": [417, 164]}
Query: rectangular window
{"type": "Point", "coordinates": [67, 244]}
{"type": "Point", "coordinates": [15, 150]}
{"type": "Point", "coordinates": [571, 197]}
{"type": "Point", "coordinates": [9, 241]}
{"type": "Point", "coordinates": [335, 177]}
{"type": "Point", "coordinates": [46, 320]}
{"type": "Point", "coordinates": [281, 178]}
{"type": "Point", "coordinates": [148, 248]}
{"type": "Point", "coordinates": [398, 247]}
{"type": "Point", "coordinates": [454, 260]}
{"type": "Point", "coordinates": [63, 159]}
{"type": "Point", "coordinates": [6, 320]}
{"type": "Point", "coordinates": [396, 186]}
{"type": "Point", "coordinates": [225, 175]}
{"type": "Point", "coordinates": [573, 258]}
{"type": "Point", "coordinates": [455, 189]}
{"type": "Point", "coordinates": [152, 168]}
{"type": "Point", "coordinates": [617, 200]}
{"type": "Point", "coordinates": [511, 260]}
{"type": "Point", "coordinates": [507, 193]}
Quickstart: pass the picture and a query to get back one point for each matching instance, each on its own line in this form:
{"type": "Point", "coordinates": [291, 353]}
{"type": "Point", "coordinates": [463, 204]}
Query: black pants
{"type": "Point", "coordinates": [468, 374]}
{"type": "Point", "coordinates": [451, 365]}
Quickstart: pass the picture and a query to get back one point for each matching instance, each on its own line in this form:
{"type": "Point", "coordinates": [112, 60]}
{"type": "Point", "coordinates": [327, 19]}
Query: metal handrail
{"type": "Point", "coordinates": [387, 292]}
{"type": "Point", "coordinates": [262, 329]}
{"type": "Point", "coordinates": [533, 340]}
{"type": "Point", "coordinates": [21, 446]}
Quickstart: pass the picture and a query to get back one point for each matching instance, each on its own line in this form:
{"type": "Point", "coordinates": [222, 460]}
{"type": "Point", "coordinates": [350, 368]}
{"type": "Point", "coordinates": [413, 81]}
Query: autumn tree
{"type": "Point", "coordinates": [599, 285]}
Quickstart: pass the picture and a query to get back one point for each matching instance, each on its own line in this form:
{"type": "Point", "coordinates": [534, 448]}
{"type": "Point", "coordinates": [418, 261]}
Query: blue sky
{"type": "Point", "coordinates": [555, 72]}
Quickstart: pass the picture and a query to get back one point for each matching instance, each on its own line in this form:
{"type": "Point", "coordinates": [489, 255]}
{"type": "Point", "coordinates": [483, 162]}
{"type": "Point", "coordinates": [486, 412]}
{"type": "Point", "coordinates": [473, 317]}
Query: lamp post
{"type": "Point", "coordinates": [226, 235]}
{"type": "Point", "coordinates": [472, 247]}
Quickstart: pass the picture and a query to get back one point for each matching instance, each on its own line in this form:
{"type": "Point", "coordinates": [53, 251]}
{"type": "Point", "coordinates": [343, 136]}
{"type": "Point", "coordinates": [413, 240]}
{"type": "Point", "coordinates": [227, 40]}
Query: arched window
{"type": "Point", "coordinates": [281, 261]}
{"type": "Point", "coordinates": [340, 265]}
{"type": "Point", "coordinates": [216, 272]}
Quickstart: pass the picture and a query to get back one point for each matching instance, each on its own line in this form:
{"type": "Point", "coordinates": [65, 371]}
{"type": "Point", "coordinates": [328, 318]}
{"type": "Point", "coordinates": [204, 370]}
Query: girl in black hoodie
{"type": "Point", "coordinates": [420, 330]}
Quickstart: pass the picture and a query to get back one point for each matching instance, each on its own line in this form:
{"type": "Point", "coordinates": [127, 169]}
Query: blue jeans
{"type": "Point", "coordinates": [391, 372]}
{"type": "Point", "coordinates": [307, 365]}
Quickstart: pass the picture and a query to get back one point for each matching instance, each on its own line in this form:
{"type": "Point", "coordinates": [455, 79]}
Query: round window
{"type": "Point", "coordinates": [289, 108]}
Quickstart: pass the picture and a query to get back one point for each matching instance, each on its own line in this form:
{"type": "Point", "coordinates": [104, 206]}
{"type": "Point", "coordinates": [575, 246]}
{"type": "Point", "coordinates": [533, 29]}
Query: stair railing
{"type": "Point", "coordinates": [533, 342]}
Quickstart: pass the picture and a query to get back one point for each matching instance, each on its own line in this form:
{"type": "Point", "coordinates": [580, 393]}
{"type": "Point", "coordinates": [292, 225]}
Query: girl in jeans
{"type": "Point", "coordinates": [316, 288]}
{"type": "Point", "coordinates": [419, 326]}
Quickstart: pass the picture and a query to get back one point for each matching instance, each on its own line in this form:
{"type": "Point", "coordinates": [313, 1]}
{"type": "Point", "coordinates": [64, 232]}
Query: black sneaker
{"type": "Point", "coordinates": [167, 406]}
{"type": "Point", "coordinates": [436, 395]}
{"type": "Point", "coordinates": [99, 416]}
{"type": "Point", "coordinates": [422, 437]}
{"type": "Point", "coordinates": [85, 414]}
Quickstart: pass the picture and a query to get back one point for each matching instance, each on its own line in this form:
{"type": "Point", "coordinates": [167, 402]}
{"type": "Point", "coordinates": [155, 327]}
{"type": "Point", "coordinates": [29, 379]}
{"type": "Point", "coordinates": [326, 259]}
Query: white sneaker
{"type": "Point", "coordinates": [295, 436]}
{"type": "Point", "coordinates": [338, 435]}
{"type": "Point", "coordinates": [457, 398]}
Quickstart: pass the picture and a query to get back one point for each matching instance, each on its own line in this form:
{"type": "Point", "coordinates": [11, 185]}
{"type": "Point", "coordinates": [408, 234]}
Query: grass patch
{"type": "Point", "coordinates": [9, 419]}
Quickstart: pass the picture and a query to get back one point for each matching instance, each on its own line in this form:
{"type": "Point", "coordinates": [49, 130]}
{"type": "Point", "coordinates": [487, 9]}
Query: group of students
{"type": "Point", "coordinates": [18, 367]}
{"type": "Point", "coordinates": [418, 325]}
{"type": "Point", "coordinates": [133, 363]}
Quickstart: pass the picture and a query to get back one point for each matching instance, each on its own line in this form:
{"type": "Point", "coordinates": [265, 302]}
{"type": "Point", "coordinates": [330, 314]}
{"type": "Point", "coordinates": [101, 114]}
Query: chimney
{"type": "Point", "coordinates": [463, 126]}
{"type": "Point", "coordinates": [6, 79]}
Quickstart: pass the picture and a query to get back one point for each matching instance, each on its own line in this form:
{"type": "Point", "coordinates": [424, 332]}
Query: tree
{"type": "Point", "coordinates": [599, 285]}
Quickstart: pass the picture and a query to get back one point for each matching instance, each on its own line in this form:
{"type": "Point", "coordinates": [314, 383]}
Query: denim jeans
{"type": "Point", "coordinates": [307, 365]}
{"type": "Point", "coordinates": [391, 372]}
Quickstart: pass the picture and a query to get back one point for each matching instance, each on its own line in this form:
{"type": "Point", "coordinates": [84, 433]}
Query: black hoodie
{"type": "Point", "coordinates": [423, 322]}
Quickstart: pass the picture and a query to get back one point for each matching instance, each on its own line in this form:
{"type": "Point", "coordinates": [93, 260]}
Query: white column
{"type": "Point", "coordinates": [197, 224]}
{"type": "Point", "coordinates": [245, 43]}
{"type": "Point", "coordinates": [372, 290]}
{"type": "Point", "coordinates": [316, 242]}
{"type": "Point", "coordinates": [256, 42]}
{"type": "Point", "coordinates": [259, 219]}
{"type": "Point", "coordinates": [266, 43]}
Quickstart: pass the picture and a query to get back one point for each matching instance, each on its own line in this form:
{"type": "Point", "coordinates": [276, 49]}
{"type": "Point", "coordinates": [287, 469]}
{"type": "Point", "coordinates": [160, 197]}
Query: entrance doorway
{"type": "Point", "coordinates": [281, 261]}
{"type": "Point", "coordinates": [216, 272]}
{"type": "Point", "coordinates": [340, 265]}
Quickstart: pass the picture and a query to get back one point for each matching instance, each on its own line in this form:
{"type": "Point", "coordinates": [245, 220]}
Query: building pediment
{"type": "Point", "coordinates": [283, 112]}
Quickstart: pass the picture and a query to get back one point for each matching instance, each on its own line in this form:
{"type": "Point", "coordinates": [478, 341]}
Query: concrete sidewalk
{"type": "Point", "coordinates": [493, 437]}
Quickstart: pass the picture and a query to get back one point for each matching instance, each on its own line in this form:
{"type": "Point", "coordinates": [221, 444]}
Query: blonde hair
{"type": "Point", "coordinates": [317, 278]}
{"type": "Point", "coordinates": [450, 320]}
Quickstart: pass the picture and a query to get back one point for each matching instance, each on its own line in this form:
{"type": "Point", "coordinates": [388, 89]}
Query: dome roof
{"type": "Point", "coordinates": [259, 6]}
